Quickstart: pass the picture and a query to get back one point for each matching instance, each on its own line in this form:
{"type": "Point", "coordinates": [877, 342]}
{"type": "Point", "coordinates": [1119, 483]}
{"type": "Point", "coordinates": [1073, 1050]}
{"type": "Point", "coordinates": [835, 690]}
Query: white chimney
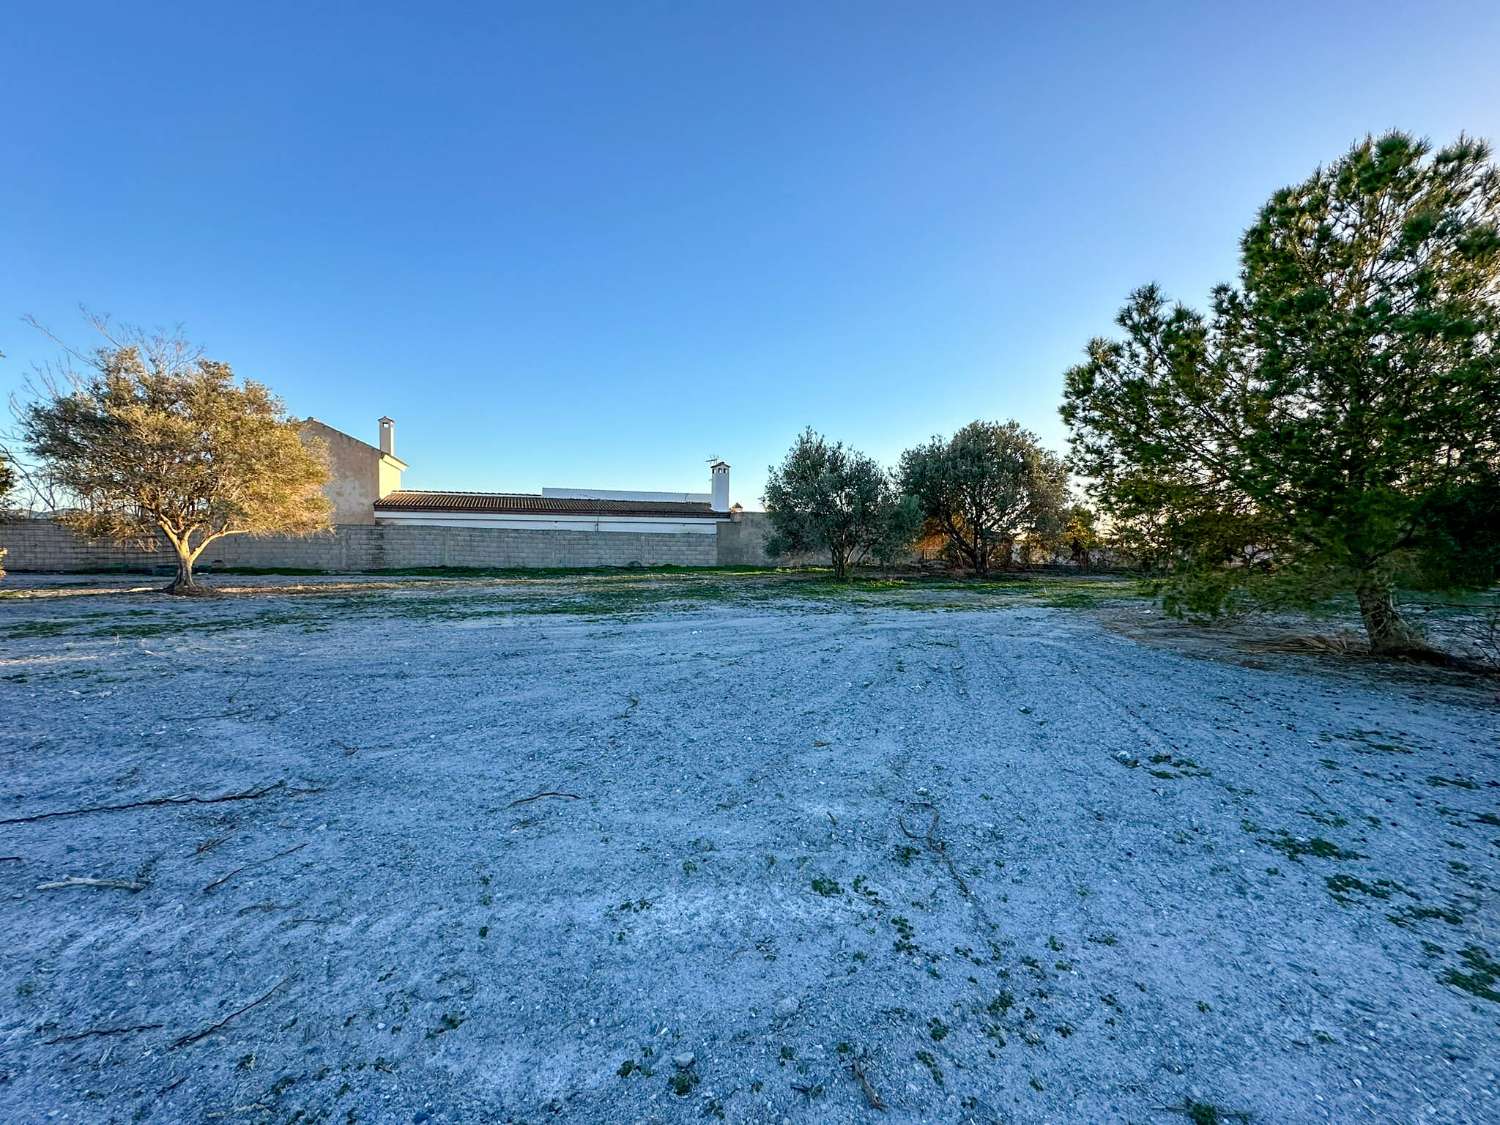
{"type": "Point", "coordinates": [388, 436]}
{"type": "Point", "coordinates": [720, 486]}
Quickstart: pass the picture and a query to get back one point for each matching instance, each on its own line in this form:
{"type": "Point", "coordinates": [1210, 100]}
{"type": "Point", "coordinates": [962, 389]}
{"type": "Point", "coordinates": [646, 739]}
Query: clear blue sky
{"type": "Point", "coordinates": [596, 244]}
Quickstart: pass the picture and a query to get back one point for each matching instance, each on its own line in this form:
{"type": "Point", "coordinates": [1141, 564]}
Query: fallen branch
{"type": "Point", "coordinates": [98, 1031]}
{"type": "Point", "coordinates": [539, 796]}
{"type": "Point", "coordinates": [872, 1098]}
{"type": "Point", "coordinates": [210, 844]}
{"type": "Point", "coordinates": [937, 846]}
{"type": "Point", "coordinates": [187, 799]}
{"type": "Point", "coordinates": [193, 1037]}
{"type": "Point", "coordinates": [107, 884]}
{"type": "Point", "coordinates": [222, 879]}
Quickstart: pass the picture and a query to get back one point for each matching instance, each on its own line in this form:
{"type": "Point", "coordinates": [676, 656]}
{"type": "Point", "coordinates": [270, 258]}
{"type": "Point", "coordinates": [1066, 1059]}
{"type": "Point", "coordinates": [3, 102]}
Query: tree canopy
{"type": "Point", "coordinates": [985, 487]}
{"type": "Point", "coordinates": [1333, 422]}
{"type": "Point", "coordinates": [153, 439]}
{"type": "Point", "coordinates": [826, 497]}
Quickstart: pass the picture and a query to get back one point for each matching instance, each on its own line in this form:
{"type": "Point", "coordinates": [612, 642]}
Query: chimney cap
{"type": "Point", "coordinates": [385, 418]}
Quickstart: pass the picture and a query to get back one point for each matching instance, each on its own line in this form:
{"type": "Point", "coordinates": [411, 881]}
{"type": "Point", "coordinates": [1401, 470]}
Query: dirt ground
{"type": "Point", "coordinates": [678, 848]}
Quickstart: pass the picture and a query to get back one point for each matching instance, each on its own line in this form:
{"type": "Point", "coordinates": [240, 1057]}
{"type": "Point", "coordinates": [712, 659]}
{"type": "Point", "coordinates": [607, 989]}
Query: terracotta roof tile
{"type": "Point", "coordinates": [408, 500]}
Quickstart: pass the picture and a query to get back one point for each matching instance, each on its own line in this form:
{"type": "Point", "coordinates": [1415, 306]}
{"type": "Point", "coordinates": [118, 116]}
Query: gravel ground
{"type": "Point", "coordinates": [535, 851]}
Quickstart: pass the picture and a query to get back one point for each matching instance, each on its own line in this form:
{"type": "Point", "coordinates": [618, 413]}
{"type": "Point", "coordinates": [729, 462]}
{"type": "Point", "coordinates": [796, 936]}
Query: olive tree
{"type": "Point", "coordinates": [826, 497]}
{"type": "Point", "coordinates": [152, 440]}
{"type": "Point", "coordinates": [985, 487]}
{"type": "Point", "coordinates": [1332, 423]}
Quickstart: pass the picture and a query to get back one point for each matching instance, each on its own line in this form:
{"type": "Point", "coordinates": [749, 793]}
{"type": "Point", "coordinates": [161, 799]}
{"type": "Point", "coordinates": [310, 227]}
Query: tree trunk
{"type": "Point", "coordinates": [840, 563]}
{"type": "Point", "coordinates": [1389, 633]}
{"type": "Point", "coordinates": [183, 582]}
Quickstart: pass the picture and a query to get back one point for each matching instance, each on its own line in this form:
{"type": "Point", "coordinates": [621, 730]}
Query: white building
{"type": "Point", "coordinates": [551, 509]}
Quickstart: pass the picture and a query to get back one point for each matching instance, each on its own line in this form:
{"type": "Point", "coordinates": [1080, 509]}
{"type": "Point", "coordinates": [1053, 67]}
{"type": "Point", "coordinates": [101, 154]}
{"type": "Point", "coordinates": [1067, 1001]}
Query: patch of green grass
{"type": "Point", "coordinates": [937, 1029]}
{"type": "Point", "coordinates": [927, 1059]}
{"type": "Point", "coordinates": [1206, 1113]}
{"type": "Point", "coordinates": [904, 933]}
{"type": "Point", "coordinates": [828, 888]}
{"type": "Point", "coordinates": [448, 1022]}
{"type": "Point", "coordinates": [1452, 782]}
{"type": "Point", "coordinates": [1410, 914]}
{"type": "Point", "coordinates": [292, 571]}
{"type": "Point", "coordinates": [1295, 847]}
{"type": "Point", "coordinates": [1344, 887]}
{"type": "Point", "coordinates": [1001, 1003]}
{"type": "Point", "coordinates": [683, 1081]}
{"type": "Point", "coordinates": [1482, 976]}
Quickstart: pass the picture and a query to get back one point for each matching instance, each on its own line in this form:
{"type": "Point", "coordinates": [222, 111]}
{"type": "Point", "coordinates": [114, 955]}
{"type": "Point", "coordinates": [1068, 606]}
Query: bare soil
{"type": "Point", "coordinates": [739, 847]}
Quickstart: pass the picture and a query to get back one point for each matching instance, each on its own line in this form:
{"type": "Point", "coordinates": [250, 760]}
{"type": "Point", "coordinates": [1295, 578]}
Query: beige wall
{"type": "Point", "coordinates": [742, 542]}
{"type": "Point", "coordinates": [42, 545]}
{"type": "Point", "coordinates": [359, 474]}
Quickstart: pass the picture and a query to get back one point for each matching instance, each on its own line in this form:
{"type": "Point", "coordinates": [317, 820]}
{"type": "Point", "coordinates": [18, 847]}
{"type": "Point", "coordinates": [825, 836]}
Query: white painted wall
{"type": "Point", "coordinates": [621, 494]}
{"type": "Point", "coordinates": [549, 521]}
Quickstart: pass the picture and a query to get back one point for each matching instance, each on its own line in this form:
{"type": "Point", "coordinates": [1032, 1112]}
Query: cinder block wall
{"type": "Point", "coordinates": [742, 542]}
{"type": "Point", "coordinates": [42, 545]}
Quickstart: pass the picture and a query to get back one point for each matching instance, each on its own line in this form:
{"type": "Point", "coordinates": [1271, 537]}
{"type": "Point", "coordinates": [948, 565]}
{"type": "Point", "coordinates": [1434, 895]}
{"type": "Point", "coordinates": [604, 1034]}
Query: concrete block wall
{"type": "Point", "coordinates": [42, 545]}
{"type": "Point", "coordinates": [742, 542]}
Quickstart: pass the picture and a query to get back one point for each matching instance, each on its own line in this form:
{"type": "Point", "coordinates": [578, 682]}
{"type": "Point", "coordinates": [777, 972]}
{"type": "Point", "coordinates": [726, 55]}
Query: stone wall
{"type": "Point", "coordinates": [42, 545]}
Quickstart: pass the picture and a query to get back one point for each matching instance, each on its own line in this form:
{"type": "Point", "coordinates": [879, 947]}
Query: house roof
{"type": "Point", "coordinates": [407, 500]}
{"type": "Point", "coordinates": [357, 441]}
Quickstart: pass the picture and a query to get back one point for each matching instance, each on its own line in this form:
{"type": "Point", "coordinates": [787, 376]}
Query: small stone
{"type": "Point", "coordinates": [787, 1007]}
{"type": "Point", "coordinates": [683, 1061]}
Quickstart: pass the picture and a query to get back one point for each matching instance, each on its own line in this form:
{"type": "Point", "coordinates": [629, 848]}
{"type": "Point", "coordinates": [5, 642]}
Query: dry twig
{"type": "Point", "coordinates": [937, 846]}
{"type": "Point", "coordinates": [211, 843]}
{"type": "Point", "coordinates": [539, 796]}
{"type": "Point", "coordinates": [187, 799]}
{"type": "Point", "coordinates": [95, 1031]}
{"type": "Point", "coordinates": [222, 879]}
{"type": "Point", "coordinates": [107, 884]}
{"type": "Point", "coordinates": [193, 1037]}
{"type": "Point", "coordinates": [872, 1098]}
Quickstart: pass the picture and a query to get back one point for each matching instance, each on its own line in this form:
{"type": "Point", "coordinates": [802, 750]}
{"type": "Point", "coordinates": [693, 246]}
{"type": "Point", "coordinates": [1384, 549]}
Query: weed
{"type": "Point", "coordinates": [1452, 782]}
{"type": "Point", "coordinates": [1343, 888]}
{"type": "Point", "coordinates": [904, 934]}
{"type": "Point", "coordinates": [937, 1029]}
{"type": "Point", "coordinates": [1295, 847]}
{"type": "Point", "coordinates": [1483, 974]}
{"type": "Point", "coordinates": [926, 1059]}
{"type": "Point", "coordinates": [1409, 914]}
{"type": "Point", "coordinates": [828, 888]}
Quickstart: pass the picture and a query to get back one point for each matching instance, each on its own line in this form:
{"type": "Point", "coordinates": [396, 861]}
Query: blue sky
{"type": "Point", "coordinates": [597, 244]}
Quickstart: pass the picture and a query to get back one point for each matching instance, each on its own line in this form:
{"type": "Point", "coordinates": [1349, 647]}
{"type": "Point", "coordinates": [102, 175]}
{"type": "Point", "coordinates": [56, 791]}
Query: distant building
{"type": "Point", "coordinates": [365, 487]}
{"type": "Point", "coordinates": [359, 473]}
